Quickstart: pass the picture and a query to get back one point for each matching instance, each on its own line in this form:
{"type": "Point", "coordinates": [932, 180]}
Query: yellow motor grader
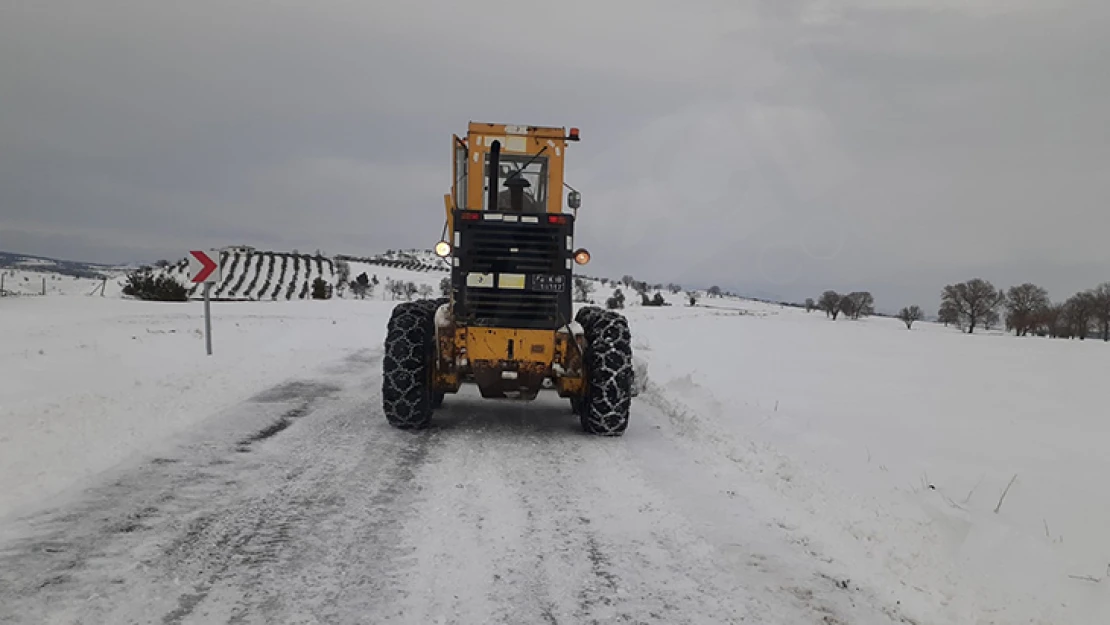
{"type": "Point", "coordinates": [508, 326]}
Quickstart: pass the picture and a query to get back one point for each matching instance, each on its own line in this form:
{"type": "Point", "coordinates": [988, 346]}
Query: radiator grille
{"type": "Point", "coordinates": [511, 306]}
{"type": "Point", "coordinates": [513, 248]}
{"type": "Point", "coordinates": [535, 250]}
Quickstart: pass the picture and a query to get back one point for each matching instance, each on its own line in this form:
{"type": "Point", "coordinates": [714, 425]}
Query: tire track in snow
{"type": "Point", "coordinates": [528, 520]}
{"type": "Point", "coordinates": [221, 530]}
{"type": "Point", "coordinates": [501, 513]}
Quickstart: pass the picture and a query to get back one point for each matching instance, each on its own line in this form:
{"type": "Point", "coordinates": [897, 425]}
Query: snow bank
{"type": "Point", "coordinates": [890, 449]}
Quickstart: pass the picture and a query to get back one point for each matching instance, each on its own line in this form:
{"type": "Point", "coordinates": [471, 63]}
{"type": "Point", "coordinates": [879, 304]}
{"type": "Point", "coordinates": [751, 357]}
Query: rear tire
{"type": "Point", "coordinates": [608, 365]}
{"type": "Point", "coordinates": [410, 348]}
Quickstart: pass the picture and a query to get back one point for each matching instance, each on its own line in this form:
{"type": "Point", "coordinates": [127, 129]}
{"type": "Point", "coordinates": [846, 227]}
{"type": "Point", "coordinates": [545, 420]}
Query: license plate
{"type": "Point", "coordinates": [551, 284]}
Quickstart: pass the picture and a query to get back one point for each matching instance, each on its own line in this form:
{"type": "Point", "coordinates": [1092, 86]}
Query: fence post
{"type": "Point", "coordinates": [44, 285]}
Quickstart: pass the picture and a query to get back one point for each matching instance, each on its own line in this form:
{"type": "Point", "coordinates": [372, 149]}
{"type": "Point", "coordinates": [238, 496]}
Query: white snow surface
{"type": "Point", "coordinates": [88, 381]}
{"type": "Point", "coordinates": [878, 452]}
{"type": "Point", "coordinates": [29, 279]}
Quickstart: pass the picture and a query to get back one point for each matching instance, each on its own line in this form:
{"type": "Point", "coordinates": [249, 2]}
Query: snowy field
{"type": "Point", "coordinates": [90, 381]}
{"type": "Point", "coordinates": [875, 455]}
{"type": "Point", "coordinates": [890, 450]}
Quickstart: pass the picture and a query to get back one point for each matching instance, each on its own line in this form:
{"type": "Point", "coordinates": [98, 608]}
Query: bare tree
{"type": "Point", "coordinates": [362, 286]}
{"type": "Point", "coordinates": [582, 289]}
{"type": "Point", "coordinates": [425, 291]}
{"type": "Point", "coordinates": [948, 313]}
{"type": "Point", "coordinates": [693, 296]}
{"type": "Point", "coordinates": [990, 319]}
{"type": "Point", "coordinates": [846, 305]}
{"type": "Point", "coordinates": [1100, 306]}
{"type": "Point", "coordinates": [398, 288]}
{"type": "Point", "coordinates": [1023, 302]}
{"type": "Point", "coordinates": [810, 304]}
{"type": "Point", "coordinates": [910, 314]}
{"type": "Point", "coordinates": [973, 300]}
{"type": "Point", "coordinates": [1050, 320]}
{"type": "Point", "coordinates": [830, 303]}
{"type": "Point", "coordinates": [674, 288]}
{"type": "Point", "coordinates": [1078, 312]}
{"type": "Point", "coordinates": [714, 291]}
{"type": "Point", "coordinates": [342, 275]}
{"type": "Point", "coordinates": [858, 304]}
{"type": "Point", "coordinates": [445, 287]}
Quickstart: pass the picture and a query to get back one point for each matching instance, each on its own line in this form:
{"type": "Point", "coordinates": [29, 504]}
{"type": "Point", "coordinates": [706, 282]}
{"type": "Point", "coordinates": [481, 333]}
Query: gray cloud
{"type": "Point", "coordinates": [782, 147]}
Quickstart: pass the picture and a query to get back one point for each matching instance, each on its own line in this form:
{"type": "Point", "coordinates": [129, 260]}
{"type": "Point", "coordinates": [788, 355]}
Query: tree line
{"type": "Point", "coordinates": [1026, 309]}
{"type": "Point", "coordinates": [853, 305]}
{"type": "Point", "coordinates": [1023, 309]}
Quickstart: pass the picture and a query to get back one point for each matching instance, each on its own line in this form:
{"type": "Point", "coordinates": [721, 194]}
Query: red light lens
{"type": "Point", "coordinates": [574, 133]}
{"type": "Point", "coordinates": [556, 219]}
{"type": "Point", "coordinates": [470, 216]}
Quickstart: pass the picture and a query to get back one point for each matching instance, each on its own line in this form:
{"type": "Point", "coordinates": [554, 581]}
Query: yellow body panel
{"type": "Point", "coordinates": [515, 140]}
{"type": "Point", "coordinates": [468, 352]}
{"type": "Point", "coordinates": [493, 344]}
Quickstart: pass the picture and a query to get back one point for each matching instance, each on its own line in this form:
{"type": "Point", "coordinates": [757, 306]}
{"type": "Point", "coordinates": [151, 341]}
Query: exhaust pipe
{"type": "Point", "coordinates": [494, 173]}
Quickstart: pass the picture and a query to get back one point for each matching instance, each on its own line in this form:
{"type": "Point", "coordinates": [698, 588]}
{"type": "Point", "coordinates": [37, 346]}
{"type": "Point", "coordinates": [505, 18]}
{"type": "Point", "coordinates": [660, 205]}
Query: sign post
{"type": "Point", "coordinates": [207, 318]}
{"type": "Point", "coordinates": [204, 270]}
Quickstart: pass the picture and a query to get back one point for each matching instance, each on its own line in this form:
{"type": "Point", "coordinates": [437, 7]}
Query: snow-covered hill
{"type": "Point", "coordinates": [247, 275]}
{"type": "Point", "coordinates": [23, 275]}
{"type": "Point", "coordinates": [266, 275]}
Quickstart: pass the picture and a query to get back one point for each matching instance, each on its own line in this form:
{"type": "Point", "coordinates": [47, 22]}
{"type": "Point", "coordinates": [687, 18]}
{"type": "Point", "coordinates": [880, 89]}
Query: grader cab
{"type": "Point", "coordinates": [508, 326]}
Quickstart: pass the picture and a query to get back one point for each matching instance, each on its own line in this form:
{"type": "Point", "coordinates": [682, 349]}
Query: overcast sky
{"type": "Point", "coordinates": [771, 147]}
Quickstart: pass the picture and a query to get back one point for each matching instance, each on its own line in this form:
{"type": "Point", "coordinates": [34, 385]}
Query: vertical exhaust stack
{"type": "Point", "coordinates": [494, 173]}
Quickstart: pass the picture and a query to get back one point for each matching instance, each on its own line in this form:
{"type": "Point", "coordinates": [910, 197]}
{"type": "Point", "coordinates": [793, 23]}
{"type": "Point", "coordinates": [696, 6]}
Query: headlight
{"type": "Point", "coordinates": [581, 256]}
{"type": "Point", "coordinates": [443, 249]}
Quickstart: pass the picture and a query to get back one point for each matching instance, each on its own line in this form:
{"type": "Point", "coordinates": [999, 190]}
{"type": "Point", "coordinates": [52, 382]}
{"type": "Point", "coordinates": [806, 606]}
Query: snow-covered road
{"type": "Point", "coordinates": [780, 468]}
{"type": "Point", "coordinates": [300, 505]}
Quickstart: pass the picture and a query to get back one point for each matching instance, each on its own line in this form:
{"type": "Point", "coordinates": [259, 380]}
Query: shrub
{"type": "Point", "coordinates": [161, 288]}
{"type": "Point", "coordinates": [616, 301]}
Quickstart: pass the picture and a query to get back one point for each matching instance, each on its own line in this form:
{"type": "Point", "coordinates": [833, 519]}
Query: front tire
{"type": "Point", "coordinates": [609, 374]}
{"type": "Point", "coordinates": [407, 397]}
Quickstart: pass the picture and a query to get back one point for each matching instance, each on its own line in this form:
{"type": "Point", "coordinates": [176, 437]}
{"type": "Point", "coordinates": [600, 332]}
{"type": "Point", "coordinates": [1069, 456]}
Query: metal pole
{"type": "Point", "coordinates": [207, 318]}
{"type": "Point", "coordinates": [44, 286]}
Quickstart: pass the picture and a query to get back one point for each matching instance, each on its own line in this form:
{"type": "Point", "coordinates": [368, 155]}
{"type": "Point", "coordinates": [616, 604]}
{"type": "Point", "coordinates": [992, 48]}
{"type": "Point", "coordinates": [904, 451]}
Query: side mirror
{"type": "Point", "coordinates": [574, 199]}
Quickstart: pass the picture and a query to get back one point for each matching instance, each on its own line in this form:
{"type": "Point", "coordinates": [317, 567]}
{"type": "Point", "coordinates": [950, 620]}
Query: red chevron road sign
{"type": "Point", "coordinates": [202, 268]}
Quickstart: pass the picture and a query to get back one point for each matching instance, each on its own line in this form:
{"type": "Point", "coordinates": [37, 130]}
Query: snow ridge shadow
{"type": "Point", "coordinates": [304, 393]}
